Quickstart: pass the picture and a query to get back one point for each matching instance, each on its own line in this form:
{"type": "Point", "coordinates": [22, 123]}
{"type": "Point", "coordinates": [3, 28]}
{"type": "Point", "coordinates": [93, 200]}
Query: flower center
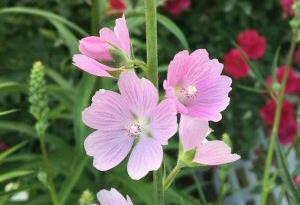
{"type": "Point", "coordinates": [133, 129]}
{"type": "Point", "coordinates": [190, 91]}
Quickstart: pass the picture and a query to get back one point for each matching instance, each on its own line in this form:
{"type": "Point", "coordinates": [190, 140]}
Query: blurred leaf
{"type": "Point", "coordinates": [275, 65]}
{"type": "Point", "coordinates": [45, 14]}
{"type": "Point", "coordinates": [58, 78]}
{"type": "Point", "coordinates": [68, 36]}
{"type": "Point", "coordinates": [13, 174]}
{"type": "Point", "coordinates": [173, 28]}
{"type": "Point", "coordinates": [288, 179]}
{"type": "Point", "coordinates": [2, 113]}
{"type": "Point", "coordinates": [9, 87]}
{"type": "Point", "coordinates": [11, 150]}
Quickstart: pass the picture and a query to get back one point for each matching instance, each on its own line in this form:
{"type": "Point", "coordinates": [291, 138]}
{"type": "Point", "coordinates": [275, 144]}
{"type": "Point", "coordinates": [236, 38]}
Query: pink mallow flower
{"type": "Point", "coordinates": [196, 85]}
{"type": "Point", "coordinates": [130, 120]}
{"type": "Point", "coordinates": [112, 197]}
{"type": "Point", "coordinates": [193, 133]}
{"type": "Point", "coordinates": [105, 54]}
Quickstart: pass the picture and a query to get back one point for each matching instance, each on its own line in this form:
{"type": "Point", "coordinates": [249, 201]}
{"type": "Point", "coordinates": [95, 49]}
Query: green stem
{"type": "Point", "coordinates": [95, 16]}
{"type": "Point", "coordinates": [48, 171]}
{"type": "Point", "coordinates": [171, 177]}
{"type": "Point", "coordinates": [151, 37]}
{"type": "Point", "coordinates": [266, 178]}
{"type": "Point", "coordinates": [152, 62]}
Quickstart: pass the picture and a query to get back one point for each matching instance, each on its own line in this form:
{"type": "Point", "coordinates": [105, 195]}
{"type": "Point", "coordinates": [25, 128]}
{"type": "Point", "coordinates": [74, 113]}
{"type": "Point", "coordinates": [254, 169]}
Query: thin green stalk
{"type": "Point", "coordinates": [266, 178]}
{"type": "Point", "coordinates": [171, 177]}
{"type": "Point", "coordinates": [48, 171]}
{"type": "Point", "coordinates": [152, 62]}
{"type": "Point", "coordinates": [151, 37]}
{"type": "Point", "coordinates": [95, 16]}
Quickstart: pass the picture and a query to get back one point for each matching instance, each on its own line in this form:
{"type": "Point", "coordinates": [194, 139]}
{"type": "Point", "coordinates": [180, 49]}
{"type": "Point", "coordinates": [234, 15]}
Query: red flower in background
{"type": "Point", "coordinates": [253, 44]}
{"type": "Point", "coordinates": [3, 146]}
{"type": "Point", "coordinates": [288, 124]}
{"type": "Point", "coordinates": [293, 82]}
{"type": "Point", "coordinates": [175, 7]}
{"type": "Point", "coordinates": [118, 6]}
{"type": "Point", "coordinates": [297, 179]}
{"type": "Point", "coordinates": [287, 7]}
{"type": "Point", "coordinates": [297, 56]}
{"type": "Point", "coordinates": [235, 65]}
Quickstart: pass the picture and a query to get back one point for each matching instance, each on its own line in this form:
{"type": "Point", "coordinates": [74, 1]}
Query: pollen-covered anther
{"type": "Point", "coordinates": [190, 91]}
{"type": "Point", "coordinates": [133, 129]}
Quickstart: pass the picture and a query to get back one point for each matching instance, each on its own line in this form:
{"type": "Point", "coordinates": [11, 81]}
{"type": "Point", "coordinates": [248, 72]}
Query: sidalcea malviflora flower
{"type": "Point", "coordinates": [193, 133]}
{"type": "Point", "coordinates": [106, 54]}
{"type": "Point", "coordinates": [112, 197]}
{"type": "Point", "coordinates": [176, 7]}
{"type": "Point", "coordinates": [132, 120]}
{"type": "Point", "coordinates": [235, 65]}
{"type": "Point", "coordinates": [195, 84]}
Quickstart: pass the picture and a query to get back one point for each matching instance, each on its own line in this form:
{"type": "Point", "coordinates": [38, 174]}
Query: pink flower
{"type": "Point", "coordinates": [175, 7]}
{"type": "Point", "coordinates": [129, 120]}
{"type": "Point", "coordinates": [288, 123]}
{"type": "Point", "coordinates": [196, 85]}
{"type": "Point", "coordinates": [253, 44]}
{"type": "Point", "coordinates": [118, 6]}
{"type": "Point", "coordinates": [193, 133]}
{"type": "Point", "coordinates": [235, 65]}
{"type": "Point", "coordinates": [102, 55]}
{"type": "Point", "coordinates": [287, 7]}
{"type": "Point", "coordinates": [112, 197]}
{"type": "Point", "coordinates": [297, 179]}
{"type": "Point", "coordinates": [293, 82]}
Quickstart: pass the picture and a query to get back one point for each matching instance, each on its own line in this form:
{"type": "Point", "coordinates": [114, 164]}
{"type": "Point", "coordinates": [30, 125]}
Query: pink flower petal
{"type": "Point", "coordinates": [215, 153]}
{"type": "Point", "coordinates": [192, 131]}
{"type": "Point", "coordinates": [109, 36]}
{"type": "Point", "coordinates": [108, 148]}
{"type": "Point", "coordinates": [112, 197]}
{"type": "Point", "coordinates": [147, 155]}
{"type": "Point", "coordinates": [164, 121]}
{"type": "Point", "coordinates": [108, 112]}
{"type": "Point", "coordinates": [139, 94]}
{"type": "Point", "coordinates": [212, 100]}
{"type": "Point", "coordinates": [95, 48]}
{"type": "Point", "coordinates": [91, 66]}
{"type": "Point", "coordinates": [122, 33]}
{"type": "Point", "coordinates": [129, 201]}
{"type": "Point", "coordinates": [178, 68]}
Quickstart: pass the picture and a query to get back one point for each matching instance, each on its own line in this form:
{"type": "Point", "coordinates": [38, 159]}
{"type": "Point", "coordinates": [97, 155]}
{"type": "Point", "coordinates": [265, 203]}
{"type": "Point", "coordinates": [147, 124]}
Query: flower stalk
{"type": "Point", "coordinates": [266, 179]}
{"type": "Point", "coordinates": [152, 62]}
{"type": "Point", "coordinates": [171, 177]}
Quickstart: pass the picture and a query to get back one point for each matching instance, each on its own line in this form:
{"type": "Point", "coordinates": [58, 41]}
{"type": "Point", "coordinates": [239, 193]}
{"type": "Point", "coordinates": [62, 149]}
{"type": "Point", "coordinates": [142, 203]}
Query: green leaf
{"type": "Point", "coordinates": [9, 87]}
{"type": "Point", "coordinates": [13, 174]}
{"type": "Point", "coordinates": [275, 65]}
{"type": "Point", "coordinates": [6, 112]}
{"type": "Point", "coordinates": [45, 14]}
{"type": "Point", "coordinates": [67, 35]}
{"type": "Point", "coordinates": [11, 150]}
{"type": "Point", "coordinates": [174, 29]}
{"type": "Point", "coordinates": [288, 179]}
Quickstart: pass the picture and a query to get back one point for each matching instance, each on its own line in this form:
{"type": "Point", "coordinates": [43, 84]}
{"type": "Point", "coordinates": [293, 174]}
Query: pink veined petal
{"type": "Point", "coordinates": [112, 197]}
{"type": "Point", "coordinates": [178, 68]}
{"type": "Point", "coordinates": [95, 48]}
{"type": "Point", "coordinates": [122, 33]}
{"type": "Point", "coordinates": [201, 70]}
{"type": "Point", "coordinates": [108, 148]}
{"type": "Point", "coordinates": [91, 66]}
{"type": "Point", "coordinates": [170, 93]}
{"type": "Point", "coordinates": [164, 121]}
{"type": "Point", "coordinates": [211, 100]}
{"type": "Point", "coordinates": [146, 156]}
{"type": "Point", "coordinates": [192, 131]}
{"type": "Point", "coordinates": [109, 36]}
{"type": "Point", "coordinates": [215, 153]}
{"type": "Point", "coordinates": [140, 95]}
{"type": "Point", "coordinates": [108, 112]}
